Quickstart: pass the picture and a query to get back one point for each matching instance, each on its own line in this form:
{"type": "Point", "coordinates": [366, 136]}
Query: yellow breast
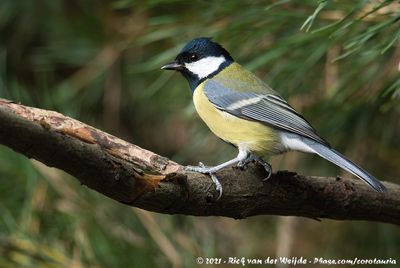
{"type": "Point", "coordinates": [251, 135]}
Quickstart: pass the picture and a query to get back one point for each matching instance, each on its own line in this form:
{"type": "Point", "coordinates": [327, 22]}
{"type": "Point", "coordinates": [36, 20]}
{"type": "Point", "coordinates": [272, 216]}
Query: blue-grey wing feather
{"type": "Point", "coordinates": [269, 109]}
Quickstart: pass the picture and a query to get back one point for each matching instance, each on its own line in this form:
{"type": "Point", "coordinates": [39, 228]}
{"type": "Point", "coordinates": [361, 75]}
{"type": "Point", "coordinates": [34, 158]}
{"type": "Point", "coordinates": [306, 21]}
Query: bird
{"type": "Point", "coordinates": [242, 110]}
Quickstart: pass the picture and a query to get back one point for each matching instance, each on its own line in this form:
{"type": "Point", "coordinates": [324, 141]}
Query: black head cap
{"type": "Point", "coordinates": [194, 51]}
{"type": "Point", "coordinates": [203, 47]}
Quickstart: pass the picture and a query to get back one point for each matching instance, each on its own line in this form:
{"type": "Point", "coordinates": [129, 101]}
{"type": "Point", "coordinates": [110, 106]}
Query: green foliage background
{"type": "Point", "coordinates": [99, 61]}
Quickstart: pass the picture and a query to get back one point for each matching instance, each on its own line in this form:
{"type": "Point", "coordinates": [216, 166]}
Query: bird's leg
{"type": "Point", "coordinates": [243, 154]}
{"type": "Point", "coordinates": [259, 160]}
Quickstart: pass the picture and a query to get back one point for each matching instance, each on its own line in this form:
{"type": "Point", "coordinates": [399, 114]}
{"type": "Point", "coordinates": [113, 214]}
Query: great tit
{"type": "Point", "coordinates": [245, 112]}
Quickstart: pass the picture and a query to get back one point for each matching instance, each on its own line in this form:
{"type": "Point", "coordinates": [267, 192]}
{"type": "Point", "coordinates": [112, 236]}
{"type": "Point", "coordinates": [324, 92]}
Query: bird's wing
{"type": "Point", "coordinates": [265, 107]}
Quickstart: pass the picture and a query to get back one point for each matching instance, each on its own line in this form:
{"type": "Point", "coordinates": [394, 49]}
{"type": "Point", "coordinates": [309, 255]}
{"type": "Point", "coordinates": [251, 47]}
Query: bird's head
{"type": "Point", "coordinates": [200, 59]}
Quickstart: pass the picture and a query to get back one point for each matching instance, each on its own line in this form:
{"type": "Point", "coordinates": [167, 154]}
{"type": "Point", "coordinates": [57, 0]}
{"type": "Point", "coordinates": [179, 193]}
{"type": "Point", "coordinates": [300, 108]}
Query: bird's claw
{"type": "Point", "coordinates": [218, 185]}
{"type": "Point", "coordinates": [260, 161]}
{"type": "Point", "coordinates": [201, 168]}
{"type": "Point", "coordinates": [267, 168]}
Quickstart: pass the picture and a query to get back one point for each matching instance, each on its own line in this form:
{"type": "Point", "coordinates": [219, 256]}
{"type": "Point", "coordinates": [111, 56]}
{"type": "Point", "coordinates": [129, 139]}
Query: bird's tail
{"type": "Point", "coordinates": [341, 161]}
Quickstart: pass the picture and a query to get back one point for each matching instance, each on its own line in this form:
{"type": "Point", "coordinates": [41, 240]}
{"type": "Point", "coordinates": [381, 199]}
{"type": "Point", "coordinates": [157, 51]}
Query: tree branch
{"type": "Point", "coordinates": [137, 177]}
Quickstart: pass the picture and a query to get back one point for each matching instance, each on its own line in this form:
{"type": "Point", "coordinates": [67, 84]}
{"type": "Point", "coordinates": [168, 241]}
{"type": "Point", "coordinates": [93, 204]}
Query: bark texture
{"type": "Point", "coordinates": [137, 177]}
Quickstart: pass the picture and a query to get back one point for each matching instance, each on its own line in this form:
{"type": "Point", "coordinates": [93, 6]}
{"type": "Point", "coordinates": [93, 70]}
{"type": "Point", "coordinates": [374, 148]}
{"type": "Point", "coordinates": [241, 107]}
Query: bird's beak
{"type": "Point", "coordinates": [172, 66]}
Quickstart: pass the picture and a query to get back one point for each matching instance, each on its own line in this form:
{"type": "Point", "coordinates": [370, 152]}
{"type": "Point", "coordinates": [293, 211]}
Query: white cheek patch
{"type": "Point", "coordinates": [205, 66]}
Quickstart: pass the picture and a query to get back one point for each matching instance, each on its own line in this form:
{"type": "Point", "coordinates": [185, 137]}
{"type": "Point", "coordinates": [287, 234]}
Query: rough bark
{"type": "Point", "coordinates": [137, 177]}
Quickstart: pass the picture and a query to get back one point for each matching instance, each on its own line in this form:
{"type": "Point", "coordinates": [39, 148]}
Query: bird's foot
{"type": "Point", "coordinates": [259, 160]}
{"type": "Point", "coordinates": [267, 168]}
{"type": "Point", "coordinates": [200, 168]}
{"type": "Point", "coordinates": [210, 171]}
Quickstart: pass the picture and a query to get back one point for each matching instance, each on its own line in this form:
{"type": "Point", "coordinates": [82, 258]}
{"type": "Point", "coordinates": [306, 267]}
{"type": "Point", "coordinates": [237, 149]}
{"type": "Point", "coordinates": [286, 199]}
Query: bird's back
{"type": "Point", "coordinates": [237, 78]}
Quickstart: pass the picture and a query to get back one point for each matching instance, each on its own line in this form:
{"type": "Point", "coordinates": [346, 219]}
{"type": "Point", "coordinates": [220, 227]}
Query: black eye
{"type": "Point", "coordinates": [193, 57]}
